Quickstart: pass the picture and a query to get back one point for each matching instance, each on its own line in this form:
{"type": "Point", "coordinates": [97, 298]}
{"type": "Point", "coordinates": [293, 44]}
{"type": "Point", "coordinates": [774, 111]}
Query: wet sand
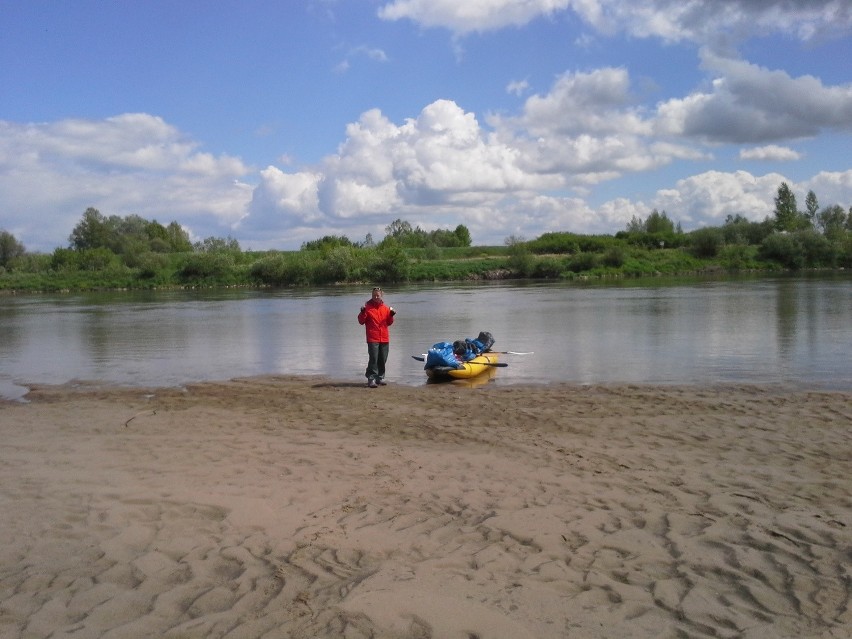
{"type": "Point", "coordinates": [311, 507]}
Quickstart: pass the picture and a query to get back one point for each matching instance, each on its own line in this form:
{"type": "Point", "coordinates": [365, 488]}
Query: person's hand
{"type": "Point", "coordinates": [392, 312]}
{"type": "Point", "coordinates": [363, 308]}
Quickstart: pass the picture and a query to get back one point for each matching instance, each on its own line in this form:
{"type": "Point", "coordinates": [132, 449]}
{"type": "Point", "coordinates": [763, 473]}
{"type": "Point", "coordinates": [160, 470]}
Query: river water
{"type": "Point", "coordinates": [767, 330]}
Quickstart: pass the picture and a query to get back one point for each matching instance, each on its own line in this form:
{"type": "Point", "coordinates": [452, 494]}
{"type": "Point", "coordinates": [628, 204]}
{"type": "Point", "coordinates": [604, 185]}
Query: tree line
{"type": "Point", "coordinates": [132, 252]}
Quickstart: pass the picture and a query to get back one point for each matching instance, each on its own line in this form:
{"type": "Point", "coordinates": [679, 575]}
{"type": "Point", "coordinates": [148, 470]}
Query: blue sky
{"type": "Point", "coordinates": [278, 122]}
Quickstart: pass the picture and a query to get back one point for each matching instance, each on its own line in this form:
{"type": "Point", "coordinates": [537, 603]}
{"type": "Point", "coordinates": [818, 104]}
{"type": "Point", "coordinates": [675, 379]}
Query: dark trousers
{"type": "Point", "coordinates": [378, 357]}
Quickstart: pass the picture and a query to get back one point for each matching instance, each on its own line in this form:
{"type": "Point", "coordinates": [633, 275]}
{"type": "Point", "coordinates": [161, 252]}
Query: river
{"type": "Point", "coordinates": [792, 329]}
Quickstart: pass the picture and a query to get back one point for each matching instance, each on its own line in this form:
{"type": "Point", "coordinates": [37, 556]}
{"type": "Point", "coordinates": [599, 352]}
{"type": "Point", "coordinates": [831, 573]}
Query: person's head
{"type": "Point", "coordinates": [377, 293]}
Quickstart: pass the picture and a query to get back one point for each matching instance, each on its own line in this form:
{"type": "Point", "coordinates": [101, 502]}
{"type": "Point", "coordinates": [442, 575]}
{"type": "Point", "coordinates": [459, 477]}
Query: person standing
{"type": "Point", "coordinates": [376, 317]}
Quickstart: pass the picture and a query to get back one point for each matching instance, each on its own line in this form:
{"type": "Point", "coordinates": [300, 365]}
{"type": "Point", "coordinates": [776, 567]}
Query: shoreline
{"type": "Point", "coordinates": [309, 506]}
{"type": "Point", "coordinates": [16, 391]}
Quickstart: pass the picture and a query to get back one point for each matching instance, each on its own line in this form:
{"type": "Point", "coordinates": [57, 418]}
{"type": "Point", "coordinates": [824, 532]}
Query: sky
{"type": "Point", "coordinates": [277, 122]}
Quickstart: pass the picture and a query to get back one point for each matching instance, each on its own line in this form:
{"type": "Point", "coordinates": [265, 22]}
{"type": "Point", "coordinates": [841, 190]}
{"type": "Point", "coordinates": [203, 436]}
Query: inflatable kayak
{"type": "Point", "coordinates": [464, 370]}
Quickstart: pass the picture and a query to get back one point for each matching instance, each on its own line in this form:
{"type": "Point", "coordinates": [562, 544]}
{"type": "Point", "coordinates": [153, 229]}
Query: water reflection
{"type": "Point", "coordinates": [786, 317]}
{"type": "Point", "coordinates": [789, 329]}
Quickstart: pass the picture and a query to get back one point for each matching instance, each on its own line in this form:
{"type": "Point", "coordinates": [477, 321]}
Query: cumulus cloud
{"type": "Point", "coordinates": [831, 187]}
{"type": "Point", "coordinates": [770, 153]}
{"type": "Point", "coordinates": [465, 17]}
{"type": "Point", "coordinates": [440, 162]}
{"type": "Point", "coordinates": [708, 198]}
{"type": "Point", "coordinates": [669, 20]}
{"type": "Point", "coordinates": [715, 22]}
{"type": "Point", "coordinates": [586, 129]}
{"type": "Point", "coordinates": [129, 164]}
{"type": "Point", "coordinates": [748, 103]}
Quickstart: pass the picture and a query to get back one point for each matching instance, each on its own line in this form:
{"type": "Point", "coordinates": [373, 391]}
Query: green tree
{"type": "Point", "coordinates": [786, 213]}
{"type": "Point", "coordinates": [832, 221]}
{"type": "Point", "coordinates": [10, 248]}
{"type": "Point", "coordinates": [398, 229]}
{"type": "Point", "coordinates": [217, 245]}
{"type": "Point", "coordinates": [635, 225]}
{"type": "Point", "coordinates": [91, 232]}
{"type": "Point", "coordinates": [326, 243]}
{"type": "Point", "coordinates": [658, 223]}
{"type": "Point", "coordinates": [463, 234]}
{"type": "Point", "coordinates": [178, 238]}
{"type": "Point", "coordinates": [811, 206]}
{"type": "Point", "coordinates": [521, 259]}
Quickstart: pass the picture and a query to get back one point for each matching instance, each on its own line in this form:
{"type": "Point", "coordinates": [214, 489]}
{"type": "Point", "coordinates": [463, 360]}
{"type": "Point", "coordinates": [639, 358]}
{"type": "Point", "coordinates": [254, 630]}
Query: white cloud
{"type": "Point", "coordinates": [441, 159]}
{"type": "Point", "coordinates": [517, 87]}
{"type": "Point", "coordinates": [132, 163]}
{"type": "Point", "coordinates": [586, 130]}
{"type": "Point", "coordinates": [669, 20]}
{"type": "Point", "coordinates": [831, 187]}
{"type": "Point", "coordinates": [749, 103]}
{"type": "Point", "coordinates": [464, 17]}
{"type": "Point", "coordinates": [708, 198]}
{"type": "Point", "coordinates": [371, 53]}
{"type": "Point", "coordinates": [770, 153]}
{"type": "Point", "coordinates": [721, 20]}
{"type": "Point", "coordinates": [597, 102]}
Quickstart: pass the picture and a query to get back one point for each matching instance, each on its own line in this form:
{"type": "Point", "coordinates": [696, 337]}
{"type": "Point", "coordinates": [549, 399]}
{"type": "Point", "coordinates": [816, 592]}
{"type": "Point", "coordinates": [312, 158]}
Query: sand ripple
{"type": "Point", "coordinates": [306, 507]}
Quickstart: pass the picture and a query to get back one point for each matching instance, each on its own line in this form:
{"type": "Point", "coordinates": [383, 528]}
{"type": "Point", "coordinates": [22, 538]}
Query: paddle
{"type": "Point", "coordinates": [422, 358]}
{"type": "Point", "coordinates": [511, 352]}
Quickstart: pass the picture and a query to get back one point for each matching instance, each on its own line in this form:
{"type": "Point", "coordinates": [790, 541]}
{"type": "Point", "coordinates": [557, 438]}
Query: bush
{"type": "Point", "coordinates": [844, 252]}
{"type": "Point", "coordinates": [150, 264]}
{"type": "Point", "coordinates": [10, 248]}
{"type": "Point", "coordinates": [338, 265]}
{"type": "Point", "coordinates": [547, 268]}
{"type": "Point", "coordinates": [31, 263]}
{"type": "Point", "coordinates": [388, 264]}
{"type": "Point", "coordinates": [279, 269]}
{"type": "Point", "coordinates": [582, 262]}
{"type": "Point", "coordinates": [554, 243]}
{"type": "Point", "coordinates": [521, 260]}
{"type": "Point", "coordinates": [199, 266]}
{"type": "Point", "coordinates": [783, 249]}
{"type": "Point", "coordinates": [614, 257]}
{"type": "Point", "coordinates": [706, 242]}
{"type": "Point", "coordinates": [818, 251]}
{"type": "Point", "coordinates": [736, 257]}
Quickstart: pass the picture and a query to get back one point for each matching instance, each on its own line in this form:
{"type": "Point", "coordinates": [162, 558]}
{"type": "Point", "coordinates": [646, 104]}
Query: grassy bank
{"type": "Point", "coordinates": [347, 265]}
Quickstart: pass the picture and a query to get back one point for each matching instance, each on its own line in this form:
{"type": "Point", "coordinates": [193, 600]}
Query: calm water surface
{"type": "Point", "coordinates": [789, 330]}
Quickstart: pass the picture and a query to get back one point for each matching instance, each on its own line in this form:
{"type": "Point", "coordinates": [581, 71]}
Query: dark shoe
{"type": "Point", "coordinates": [372, 383]}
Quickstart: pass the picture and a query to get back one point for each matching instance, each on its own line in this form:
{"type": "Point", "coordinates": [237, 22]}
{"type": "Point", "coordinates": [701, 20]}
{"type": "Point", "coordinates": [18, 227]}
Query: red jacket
{"type": "Point", "coordinates": [376, 317]}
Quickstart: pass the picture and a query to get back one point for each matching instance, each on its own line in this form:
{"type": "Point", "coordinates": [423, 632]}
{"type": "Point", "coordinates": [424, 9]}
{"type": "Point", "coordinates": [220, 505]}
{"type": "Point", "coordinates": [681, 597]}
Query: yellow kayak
{"type": "Point", "coordinates": [472, 368]}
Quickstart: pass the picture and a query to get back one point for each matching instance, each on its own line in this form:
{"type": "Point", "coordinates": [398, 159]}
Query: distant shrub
{"type": "Point", "coordinates": [736, 257]}
{"type": "Point", "coordinates": [283, 269]}
{"type": "Point", "coordinates": [818, 250]}
{"type": "Point", "coordinates": [547, 267]}
{"type": "Point", "coordinates": [338, 265]}
{"type": "Point", "coordinates": [614, 257]}
{"type": "Point", "coordinates": [582, 262]}
{"type": "Point", "coordinates": [216, 265]}
{"type": "Point", "coordinates": [706, 242]}
{"type": "Point", "coordinates": [150, 264]}
{"type": "Point", "coordinates": [783, 249]}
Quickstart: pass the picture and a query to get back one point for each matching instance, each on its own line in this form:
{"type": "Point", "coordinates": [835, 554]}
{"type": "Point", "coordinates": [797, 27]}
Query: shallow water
{"type": "Point", "coordinates": [788, 330]}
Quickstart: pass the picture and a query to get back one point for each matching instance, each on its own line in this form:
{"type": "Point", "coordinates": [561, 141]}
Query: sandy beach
{"type": "Point", "coordinates": [311, 507]}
